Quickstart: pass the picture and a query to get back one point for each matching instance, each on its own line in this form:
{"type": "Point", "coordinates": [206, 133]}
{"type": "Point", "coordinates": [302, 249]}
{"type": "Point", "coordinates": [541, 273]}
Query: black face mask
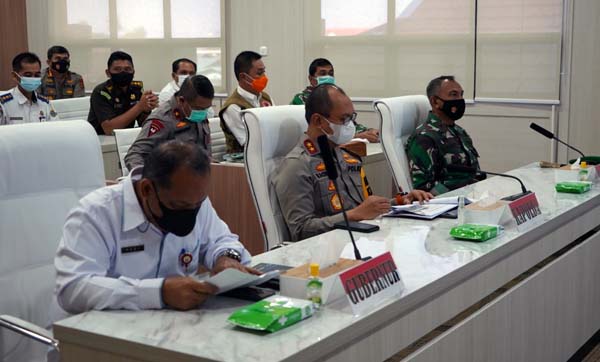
{"type": "Point", "coordinates": [121, 79]}
{"type": "Point", "coordinates": [178, 222]}
{"type": "Point", "coordinates": [457, 104]}
{"type": "Point", "coordinates": [62, 66]}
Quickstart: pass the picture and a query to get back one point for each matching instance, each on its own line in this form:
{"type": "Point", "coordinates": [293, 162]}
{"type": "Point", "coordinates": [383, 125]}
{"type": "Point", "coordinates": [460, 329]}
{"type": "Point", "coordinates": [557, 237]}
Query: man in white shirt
{"type": "Point", "coordinates": [182, 68]}
{"type": "Point", "coordinates": [136, 245]}
{"type": "Point", "coordinates": [250, 72]}
{"type": "Point", "coordinates": [22, 104]}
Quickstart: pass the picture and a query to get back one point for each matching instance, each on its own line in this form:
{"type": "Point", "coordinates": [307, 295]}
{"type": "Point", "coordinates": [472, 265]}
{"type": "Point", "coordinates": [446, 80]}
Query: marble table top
{"type": "Point", "coordinates": [423, 251]}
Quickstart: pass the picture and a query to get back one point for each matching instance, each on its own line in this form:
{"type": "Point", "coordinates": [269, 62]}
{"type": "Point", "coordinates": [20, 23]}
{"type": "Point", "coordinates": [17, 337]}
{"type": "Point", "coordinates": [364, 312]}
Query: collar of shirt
{"type": "Point", "coordinates": [174, 85]}
{"type": "Point", "coordinates": [133, 215]}
{"type": "Point", "coordinates": [250, 97]}
{"type": "Point", "coordinates": [20, 97]}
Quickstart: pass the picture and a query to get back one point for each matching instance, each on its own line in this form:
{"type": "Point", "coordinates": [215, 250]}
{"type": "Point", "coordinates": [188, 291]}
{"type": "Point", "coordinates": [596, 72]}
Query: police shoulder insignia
{"type": "Point", "coordinates": [155, 127]}
{"type": "Point", "coordinates": [6, 98]}
{"type": "Point", "coordinates": [137, 83]}
{"type": "Point", "coordinates": [106, 95]}
{"type": "Point", "coordinates": [310, 147]}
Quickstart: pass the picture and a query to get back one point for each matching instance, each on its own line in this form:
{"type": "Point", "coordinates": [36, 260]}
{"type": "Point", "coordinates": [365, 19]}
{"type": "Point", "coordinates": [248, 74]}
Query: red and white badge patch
{"type": "Point", "coordinates": [155, 127]}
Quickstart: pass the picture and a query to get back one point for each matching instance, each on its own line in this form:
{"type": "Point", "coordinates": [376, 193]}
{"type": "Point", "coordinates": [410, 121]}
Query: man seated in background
{"type": "Point", "coordinates": [120, 101]}
{"type": "Point", "coordinates": [440, 142]}
{"type": "Point", "coordinates": [22, 104]}
{"type": "Point", "coordinates": [183, 117]}
{"type": "Point", "coordinates": [320, 72]}
{"type": "Point", "coordinates": [249, 71]}
{"type": "Point", "coordinates": [308, 200]}
{"type": "Point", "coordinates": [182, 68]}
{"type": "Point", "coordinates": [137, 245]}
{"type": "Point", "coordinates": [58, 82]}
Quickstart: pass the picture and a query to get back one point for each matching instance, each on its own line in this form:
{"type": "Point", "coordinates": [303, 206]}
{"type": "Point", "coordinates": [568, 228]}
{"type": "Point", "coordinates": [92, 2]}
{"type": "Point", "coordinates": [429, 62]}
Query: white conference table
{"type": "Point", "coordinates": [544, 315]}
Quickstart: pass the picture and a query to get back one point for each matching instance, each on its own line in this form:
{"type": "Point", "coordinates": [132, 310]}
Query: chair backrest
{"type": "Point", "coordinates": [72, 108]}
{"type": "Point", "coordinates": [217, 139]}
{"type": "Point", "coordinates": [124, 138]}
{"type": "Point", "coordinates": [399, 116]}
{"type": "Point", "coordinates": [45, 169]}
{"type": "Point", "coordinates": [272, 132]}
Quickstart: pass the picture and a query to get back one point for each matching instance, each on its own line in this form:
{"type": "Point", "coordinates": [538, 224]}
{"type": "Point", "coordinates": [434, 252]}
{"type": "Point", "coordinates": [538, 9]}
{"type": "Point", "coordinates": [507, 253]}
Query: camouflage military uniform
{"type": "Point", "coordinates": [70, 87]}
{"type": "Point", "coordinates": [307, 198]}
{"type": "Point", "coordinates": [300, 99]}
{"type": "Point", "coordinates": [166, 123]}
{"type": "Point", "coordinates": [434, 145]}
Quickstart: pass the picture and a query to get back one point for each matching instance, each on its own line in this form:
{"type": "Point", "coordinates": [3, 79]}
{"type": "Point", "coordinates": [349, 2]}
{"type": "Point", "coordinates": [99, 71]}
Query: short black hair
{"type": "Point", "coordinates": [433, 88]}
{"type": "Point", "coordinates": [25, 57]}
{"type": "Point", "coordinates": [162, 162]}
{"type": "Point", "coordinates": [319, 101]}
{"type": "Point", "coordinates": [118, 55]}
{"type": "Point", "coordinates": [196, 85]}
{"type": "Point", "coordinates": [243, 62]}
{"type": "Point", "coordinates": [57, 49]}
{"type": "Point", "coordinates": [175, 65]}
{"type": "Point", "coordinates": [319, 62]}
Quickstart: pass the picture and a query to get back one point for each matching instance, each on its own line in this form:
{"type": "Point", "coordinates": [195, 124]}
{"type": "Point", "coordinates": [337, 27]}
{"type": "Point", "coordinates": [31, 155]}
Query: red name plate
{"type": "Point", "coordinates": [526, 212]}
{"type": "Point", "coordinates": [367, 284]}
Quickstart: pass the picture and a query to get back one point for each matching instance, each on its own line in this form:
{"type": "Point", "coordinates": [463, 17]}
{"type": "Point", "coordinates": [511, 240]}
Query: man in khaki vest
{"type": "Point", "coordinates": [250, 72]}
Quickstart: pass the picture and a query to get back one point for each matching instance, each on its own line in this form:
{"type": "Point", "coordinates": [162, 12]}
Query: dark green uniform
{"type": "Point", "coordinates": [307, 198]}
{"type": "Point", "coordinates": [433, 146]}
{"type": "Point", "coordinates": [71, 86]}
{"type": "Point", "coordinates": [108, 102]}
{"type": "Point", "coordinates": [166, 123]}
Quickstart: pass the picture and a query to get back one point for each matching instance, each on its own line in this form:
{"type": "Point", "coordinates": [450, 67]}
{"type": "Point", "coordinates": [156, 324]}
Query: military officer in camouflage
{"type": "Point", "coordinates": [183, 117]}
{"type": "Point", "coordinates": [307, 199]}
{"type": "Point", "coordinates": [440, 141]}
{"type": "Point", "coordinates": [58, 82]}
{"type": "Point", "coordinates": [120, 101]}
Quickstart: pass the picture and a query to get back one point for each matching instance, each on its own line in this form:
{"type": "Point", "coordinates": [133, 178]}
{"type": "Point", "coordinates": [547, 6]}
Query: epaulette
{"type": "Point", "coordinates": [310, 147]}
{"type": "Point", "coordinates": [42, 98]}
{"type": "Point", "coordinates": [137, 83]}
{"type": "Point", "coordinates": [6, 98]}
{"type": "Point", "coordinates": [105, 94]}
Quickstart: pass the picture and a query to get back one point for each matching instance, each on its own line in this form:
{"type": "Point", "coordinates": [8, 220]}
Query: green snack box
{"type": "Point", "coordinates": [475, 232]}
{"type": "Point", "coordinates": [272, 314]}
{"type": "Point", "coordinates": [573, 187]}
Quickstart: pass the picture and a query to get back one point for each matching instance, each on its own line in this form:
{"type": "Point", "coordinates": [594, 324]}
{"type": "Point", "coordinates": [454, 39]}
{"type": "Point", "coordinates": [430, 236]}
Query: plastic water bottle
{"type": "Point", "coordinates": [314, 287]}
{"type": "Point", "coordinates": [461, 209]}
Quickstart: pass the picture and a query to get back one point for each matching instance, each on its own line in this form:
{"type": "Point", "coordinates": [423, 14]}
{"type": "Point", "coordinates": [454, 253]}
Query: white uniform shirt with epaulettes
{"type": "Point", "coordinates": [306, 196]}
{"type": "Point", "coordinates": [15, 108]}
{"type": "Point", "coordinates": [167, 122]}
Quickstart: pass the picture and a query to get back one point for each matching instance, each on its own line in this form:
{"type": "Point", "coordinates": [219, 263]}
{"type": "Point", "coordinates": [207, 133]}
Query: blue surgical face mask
{"type": "Point", "coordinates": [326, 79]}
{"type": "Point", "coordinates": [30, 83]}
{"type": "Point", "coordinates": [198, 115]}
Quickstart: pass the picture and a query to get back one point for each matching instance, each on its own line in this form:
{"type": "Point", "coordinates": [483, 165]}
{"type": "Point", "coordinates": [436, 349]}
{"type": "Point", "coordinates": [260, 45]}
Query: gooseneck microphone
{"type": "Point", "coordinates": [473, 170]}
{"type": "Point", "coordinates": [544, 132]}
{"type": "Point", "coordinates": [332, 173]}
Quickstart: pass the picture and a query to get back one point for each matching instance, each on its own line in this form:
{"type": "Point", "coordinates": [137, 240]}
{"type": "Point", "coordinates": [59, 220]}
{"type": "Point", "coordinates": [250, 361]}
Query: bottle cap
{"type": "Point", "coordinates": [314, 269]}
{"type": "Point", "coordinates": [583, 164]}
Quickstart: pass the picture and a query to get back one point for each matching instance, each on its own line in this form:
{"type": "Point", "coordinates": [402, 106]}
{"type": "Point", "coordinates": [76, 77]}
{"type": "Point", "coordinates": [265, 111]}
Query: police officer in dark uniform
{"type": "Point", "coordinates": [120, 101]}
{"type": "Point", "coordinates": [183, 117]}
{"type": "Point", "coordinates": [58, 82]}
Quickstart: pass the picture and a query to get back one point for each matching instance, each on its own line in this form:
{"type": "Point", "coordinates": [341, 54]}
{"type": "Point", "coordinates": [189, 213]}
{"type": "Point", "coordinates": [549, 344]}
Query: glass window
{"type": "Point", "coordinates": [209, 65]}
{"type": "Point", "coordinates": [87, 19]}
{"type": "Point", "coordinates": [140, 21]}
{"type": "Point", "coordinates": [195, 18]}
{"type": "Point", "coordinates": [353, 17]}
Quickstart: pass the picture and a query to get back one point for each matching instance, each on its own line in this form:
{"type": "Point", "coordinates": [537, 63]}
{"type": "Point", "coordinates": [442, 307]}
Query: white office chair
{"type": "Point", "coordinates": [72, 108]}
{"type": "Point", "coordinates": [124, 138]}
{"type": "Point", "coordinates": [217, 139]}
{"type": "Point", "coordinates": [399, 116]}
{"type": "Point", "coordinates": [272, 132]}
{"type": "Point", "coordinates": [46, 168]}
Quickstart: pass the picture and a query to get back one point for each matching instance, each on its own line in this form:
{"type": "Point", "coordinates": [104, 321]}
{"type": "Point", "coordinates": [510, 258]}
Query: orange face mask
{"type": "Point", "coordinates": [260, 83]}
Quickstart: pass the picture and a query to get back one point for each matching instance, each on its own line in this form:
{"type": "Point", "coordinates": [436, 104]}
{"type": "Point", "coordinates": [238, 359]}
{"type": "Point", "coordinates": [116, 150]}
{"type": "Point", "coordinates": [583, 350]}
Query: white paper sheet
{"type": "Point", "coordinates": [230, 279]}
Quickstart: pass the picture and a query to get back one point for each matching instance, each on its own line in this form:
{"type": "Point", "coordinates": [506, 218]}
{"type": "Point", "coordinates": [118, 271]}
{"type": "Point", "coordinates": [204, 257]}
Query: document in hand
{"type": "Point", "coordinates": [426, 211]}
{"type": "Point", "coordinates": [230, 279]}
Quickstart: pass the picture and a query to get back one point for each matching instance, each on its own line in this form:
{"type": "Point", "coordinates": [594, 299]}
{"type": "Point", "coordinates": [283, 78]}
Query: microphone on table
{"type": "Point", "coordinates": [332, 173]}
{"type": "Point", "coordinates": [544, 132]}
{"type": "Point", "coordinates": [473, 170]}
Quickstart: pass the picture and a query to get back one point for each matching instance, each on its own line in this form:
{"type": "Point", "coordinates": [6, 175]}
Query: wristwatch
{"type": "Point", "coordinates": [233, 254]}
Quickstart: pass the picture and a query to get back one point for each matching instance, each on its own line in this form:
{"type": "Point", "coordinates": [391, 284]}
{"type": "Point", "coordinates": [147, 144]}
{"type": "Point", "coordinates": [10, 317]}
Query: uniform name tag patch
{"type": "Point", "coordinates": [132, 249]}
